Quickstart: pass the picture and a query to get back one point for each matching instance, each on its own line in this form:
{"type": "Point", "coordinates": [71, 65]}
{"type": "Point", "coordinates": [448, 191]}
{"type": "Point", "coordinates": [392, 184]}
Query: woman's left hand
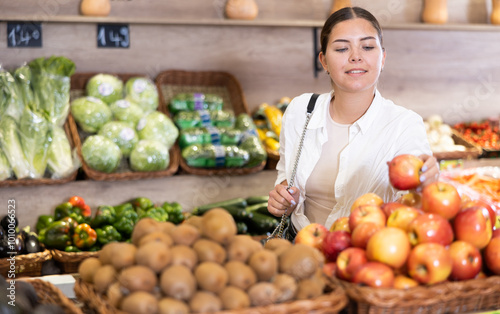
{"type": "Point", "coordinates": [430, 170]}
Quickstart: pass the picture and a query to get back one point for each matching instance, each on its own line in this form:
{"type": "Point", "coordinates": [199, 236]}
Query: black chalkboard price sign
{"type": "Point", "coordinates": [24, 34]}
{"type": "Point", "coordinates": [113, 36]}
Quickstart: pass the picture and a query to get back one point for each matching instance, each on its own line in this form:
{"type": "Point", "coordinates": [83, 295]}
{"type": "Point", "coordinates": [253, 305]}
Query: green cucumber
{"type": "Point", "coordinates": [242, 227]}
{"type": "Point", "coordinates": [261, 224]}
{"type": "Point", "coordinates": [258, 208]}
{"type": "Point", "coordinates": [252, 200]}
{"type": "Point", "coordinates": [239, 202]}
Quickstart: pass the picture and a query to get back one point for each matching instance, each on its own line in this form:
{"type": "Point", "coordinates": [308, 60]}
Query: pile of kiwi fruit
{"type": "Point", "coordinates": [201, 266]}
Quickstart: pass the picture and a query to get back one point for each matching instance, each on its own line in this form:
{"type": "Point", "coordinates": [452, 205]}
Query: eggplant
{"type": "Point", "coordinates": [31, 244]}
{"type": "Point", "coordinates": [5, 222]}
{"type": "Point", "coordinates": [2, 232]}
{"type": "Point", "coordinates": [4, 247]}
{"type": "Point", "coordinates": [19, 244]}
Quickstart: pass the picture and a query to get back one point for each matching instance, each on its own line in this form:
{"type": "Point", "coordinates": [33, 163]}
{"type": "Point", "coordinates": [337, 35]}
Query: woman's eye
{"type": "Point", "coordinates": [368, 48]}
{"type": "Point", "coordinates": [341, 49]}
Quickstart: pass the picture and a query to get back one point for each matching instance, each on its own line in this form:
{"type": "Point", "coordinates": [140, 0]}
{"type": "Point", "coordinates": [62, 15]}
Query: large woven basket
{"type": "Point", "coordinates": [78, 83]}
{"type": "Point", "coordinates": [25, 265]}
{"type": "Point", "coordinates": [332, 302]}
{"type": "Point", "coordinates": [448, 297]}
{"type": "Point", "coordinates": [44, 180]}
{"type": "Point", "coordinates": [472, 151]}
{"type": "Point", "coordinates": [225, 85]}
{"type": "Point", "coordinates": [49, 294]}
{"type": "Point", "coordinates": [70, 261]}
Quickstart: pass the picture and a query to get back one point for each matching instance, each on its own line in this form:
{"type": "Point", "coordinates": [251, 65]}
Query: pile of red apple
{"type": "Point", "coordinates": [424, 238]}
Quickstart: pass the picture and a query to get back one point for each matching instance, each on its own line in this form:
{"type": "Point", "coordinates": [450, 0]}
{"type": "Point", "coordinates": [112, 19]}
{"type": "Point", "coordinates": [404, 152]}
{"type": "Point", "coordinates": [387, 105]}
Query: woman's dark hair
{"type": "Point", "coordinates": [345, 14]}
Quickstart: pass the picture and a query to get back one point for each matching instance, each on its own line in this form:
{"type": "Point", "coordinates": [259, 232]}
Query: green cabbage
{"type": "Point", "coordinates": [5, 169]}
{"type": "Point", "coordinates": [149, 155]}
{"type": "Point", "coordinates": [11, 146]}
{"type": "Point", "coordinates": [157, 126]}
{"type": "Point", "coordinates": [143, 92]}
{"type": "Point", "coordinates": [101, 153]}
{"type": "Point", "coordinates": [106, 87]}
{"type": "Point", "coordinates": [60, 159]}
{"type": "Point", "coordinates": [90, 113]}
{"type": "Point", "coordinates": [126, 111]}
{"type": "Point", "coordinates": [120, 133]}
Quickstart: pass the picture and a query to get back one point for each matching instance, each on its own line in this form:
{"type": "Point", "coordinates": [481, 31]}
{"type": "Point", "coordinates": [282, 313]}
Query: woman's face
{"type": "Point", "coordinates": [354, 56]}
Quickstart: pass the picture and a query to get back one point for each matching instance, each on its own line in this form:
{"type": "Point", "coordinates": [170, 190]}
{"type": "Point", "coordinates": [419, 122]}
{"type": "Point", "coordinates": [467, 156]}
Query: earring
{"type": "Point", "coordinates": [328, 73]}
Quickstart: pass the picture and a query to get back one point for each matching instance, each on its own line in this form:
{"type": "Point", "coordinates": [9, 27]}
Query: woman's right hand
{"type": "Point", "coordinates": [281, 200]}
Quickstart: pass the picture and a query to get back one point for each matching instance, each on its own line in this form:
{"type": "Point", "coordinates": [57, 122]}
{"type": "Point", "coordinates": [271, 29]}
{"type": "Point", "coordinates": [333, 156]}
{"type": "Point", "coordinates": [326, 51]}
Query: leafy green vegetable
{"type": "Point", "coordinates": [157, 126]}
{"type": "Point", "coordinates": [120, 133]}
{"type": "Point", "coordinates": [101, 153]}
{"type": "Point", "coordinates": [5, 169]}
{"type": "Point", "coordinates": [149, 155]}
{"type": "Point", "coordinates": [22, 75]}
{"type": "Point", "coordinates": [106, 87]}
{"type": "Point", "coordinates": [126, 111]}
{"type": "Point", "coordinates": [142, 91]}
{"type": "Point", "coordinates": [11, 146]}
{"type": "Point", "coordinates": [60, 159]}
{"type": "Point", "coordinates": [9, 99]}
{"type": "Point", "coordinates": [90, 113]}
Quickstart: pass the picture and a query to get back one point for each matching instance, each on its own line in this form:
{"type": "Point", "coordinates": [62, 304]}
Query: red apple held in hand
{"type": "Point", "coordinates": [390, 246]}
{"type": "Point", "coordinates": [491, 211]}
{"type": "Point", "coordinates": [492, 256]}
{"type": "Point", "coordinates": [367, 213]}
{"type": "Point", "coordinates": [473, 225]}
{"type": "Point", "coordinates": [429, 263]}
{"type": "Point", "coordinates": [441, 198]}
{"type": "Point", "coordinates": [404, 171]}
{"type": "Point", "coordinates": [349, 261]}
{"type": "Point", "coordinates": [367, 199]}
{"type": "Point", "coordinates": [375, 275]}
{"type": "Point", "coordinates": [334, 243]}
{"type": "Point", "coordinates": [430, 228]}
{"type": "Point", "coordinates": [401, 217]}
{"type": "Point", "coordinates": [363, 232]}
{"type": "Point", "coordinates": [341, 223]}
{"type": "Point", "coordinates": [466, 260]}
{"type": "Point", "coordinates": [404, 282]}
{"type": "Point", "coordinates": [312, 235]}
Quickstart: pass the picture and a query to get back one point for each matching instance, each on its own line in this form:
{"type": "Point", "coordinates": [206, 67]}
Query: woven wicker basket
{"type": "Point", "coordinates": [49, 294]}
{"type": "Point", "coordinates": [449, 297]}
{"type": "Point", "coordinates": [78, 83]}
{"type": "Point", "coordinates": [69, 261]}
{"type": "Point", "coordinates": [272, 159]}
{"type": "Point", "coordinates": [472, 151]}
{"type": "Point", "coordinates": [26, 264]}
{"type": "Point", "coordinates": [332, 302]}
{"type": "Point", "coordinates": [44, 181]}
{"type": "Point", "coordinates": [225, 85]}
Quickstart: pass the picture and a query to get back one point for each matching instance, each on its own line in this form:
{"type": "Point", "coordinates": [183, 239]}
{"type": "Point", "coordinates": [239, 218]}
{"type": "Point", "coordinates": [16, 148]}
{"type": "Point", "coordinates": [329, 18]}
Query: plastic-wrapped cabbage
{"type": "Point", "coordinates": [10, 103]}
{"type": "Point", "coordinates": [143, 92]}
{"type": "Point", "coordinates": [5, 169]}
{"type": "Point", "coordinates": [60, 159]}
{"type": "Point", "coordinates": [11, 146]}
{"type": "Point", "coordinates": [106, 87]}
{"type": "Point", "coordinates": [122, 134]}
{"type": "Point", "coordinates": [90, 113]}
{"type": "Point", "coordinates": [157, 126]}
{"type": "Point", "coordinates": [101, 153]}
{"type": "Point", "coordinates": [149, 155]}
{"type": "Point", "coordinates": [126, 111]}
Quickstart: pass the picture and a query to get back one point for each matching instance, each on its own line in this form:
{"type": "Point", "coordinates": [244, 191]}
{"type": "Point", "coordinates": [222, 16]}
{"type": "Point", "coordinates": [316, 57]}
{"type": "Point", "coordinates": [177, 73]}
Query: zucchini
{"type": "Point", "coordinates": [238, 213]}
{"type": "Point", "coordinates": [239, 202]}
{"type": "Point", "coordinates": [242, 227]}
{"type": "Point", "coordinates": [259, 208]}
{"type": "Point", "coordinates": [261, 224]}
{"type": "Point", "coordinates": [252, 200]}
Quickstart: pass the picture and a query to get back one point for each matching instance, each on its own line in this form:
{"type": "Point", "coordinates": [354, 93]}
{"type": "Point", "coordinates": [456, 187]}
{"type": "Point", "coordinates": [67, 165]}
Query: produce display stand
{"type": "Point", "coordinates": [472, 151]}
{"type": "Point", "coordinates": [272, 159]}
{"type": "Point", "coordinates": [78, 83]}
{"type": "Point", "coordinates": [69, 261]}
{"type": "Point", "coordinates": [225, 85]}
{"type": "Point", "coordinates": [26, 265]}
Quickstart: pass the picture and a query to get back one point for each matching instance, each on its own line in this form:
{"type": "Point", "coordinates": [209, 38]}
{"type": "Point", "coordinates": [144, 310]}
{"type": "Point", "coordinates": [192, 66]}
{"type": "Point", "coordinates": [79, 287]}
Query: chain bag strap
{"type": "Point", "coordinates": [278, 231]}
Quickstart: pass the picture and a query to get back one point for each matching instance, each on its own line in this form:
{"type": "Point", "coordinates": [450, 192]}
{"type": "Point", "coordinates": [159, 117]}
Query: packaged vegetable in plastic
{"type": "Point", "coordinates": [90, 113]}
{"type": "Point", "coordinates": [143, 92]}
{"type": "Point", "coordinates": [157, 126]}
{"type": "Point", "coordinates": [10, 104]}
{"type": "Point", "coordinates": [195, 101]}
{"type": "Point", "coordinates": [254, 147]}
{"type": "Point", "coordinates": [149, 155]}
{"type": "Point", "coordinates": [22, 75]}
{"type": "Point", "coordinates": [101, 153]}
{"type": "Point", "coordinates": [217, 118]}
{"type": "Point", "coordinates": [106, 87]}
{"type": "Point", "coordinates": [60, 160]}
{"type": "Point", "coordinates": [214, 156]}
{"type": "Point", "coordinates": [5, 169]}
{"type": "Point", "coordinates": [11, 146]}
{"type": "Point", "coordinates": [122, 134]}
{"type": "Point", "coordinates": [126, 111]}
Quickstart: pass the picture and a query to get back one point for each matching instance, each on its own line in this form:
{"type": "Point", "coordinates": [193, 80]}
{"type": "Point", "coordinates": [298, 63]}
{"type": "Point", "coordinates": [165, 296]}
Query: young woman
{"type": "Point", "coordinates": [353, 131]}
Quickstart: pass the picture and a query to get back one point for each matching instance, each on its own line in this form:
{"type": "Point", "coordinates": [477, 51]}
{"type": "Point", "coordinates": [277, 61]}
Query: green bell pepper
{"type": "Point", "coordinates": [123, 207]}
{"type": "Point", "coordinates": [157, 213]}
{"type": "Point", "coordinates": [174, 211]}
{"type": "Point", "coordinates": [142, 203]}
{"type": "Point", "coordinates": [125, 222]}
{"type": "Point", "coordinates": [107, 234]}
{"type": "Point", "coordinates": [84, 236]}
{"type": "Point", "coordinates": [72, 223]}
{"type": "Point", "coordinates": [95, 248]}
{"type": "Point", "coordinates": [71, 248]}
{"type": "Point", "coordinates": [43, 222]}
{"type": "Point", "coordinates": [105, 215]}
{"type": "Point", "coordinates": [56, 235]}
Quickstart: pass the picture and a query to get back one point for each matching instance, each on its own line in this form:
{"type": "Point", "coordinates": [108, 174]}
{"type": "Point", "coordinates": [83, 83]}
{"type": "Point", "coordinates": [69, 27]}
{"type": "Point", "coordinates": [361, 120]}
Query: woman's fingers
{"type": "Point", "coordinates": [281, 200]}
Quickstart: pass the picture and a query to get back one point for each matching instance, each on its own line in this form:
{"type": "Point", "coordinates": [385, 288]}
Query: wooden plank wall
{"type": "Point", "coordinates": [453, 73]}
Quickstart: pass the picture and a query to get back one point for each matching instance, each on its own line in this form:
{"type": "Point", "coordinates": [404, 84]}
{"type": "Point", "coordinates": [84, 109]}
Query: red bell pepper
{"type": "Point", "coordinates": [79, 202]}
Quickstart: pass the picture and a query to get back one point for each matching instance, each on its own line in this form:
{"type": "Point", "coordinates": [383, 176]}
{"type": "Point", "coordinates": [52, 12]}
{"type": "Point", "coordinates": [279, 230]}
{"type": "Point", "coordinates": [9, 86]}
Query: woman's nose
{"type": "Point", "coordinates": [355, 56]}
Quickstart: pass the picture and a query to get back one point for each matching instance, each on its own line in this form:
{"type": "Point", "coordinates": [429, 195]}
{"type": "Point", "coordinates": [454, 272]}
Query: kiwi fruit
{"type": "Point", "coordinates": [140, 302]}
{"type": "Point", "coordinates": [308, 289]}
{"type": "Point", "coordinates": [157, 236]}
{"type": "Point", "coordinates": [172, 306]}
{"type": "Point", "coordinates": [287, 287]}
{"type": "Point", "coordinates": [155, 255]}
{"type": "Point", "coordinates": [241, 247]}
{"type": "Point", "coordinates": [123, 255]}
{"type": "Point", "coordinates": [144, 226]}
{"type": "Point", "coordinates": [104, 276]}
{"type": "Point", "coordinates": [183, 255]}
{"type": "Point", "coordinates": [299, 261]}
{"type": "Point", "coordinates": [263, 293]}
{"type": "Point", "coordinates": [211, 276]}
{"type": "Point", "coordinates": [205, 302]}
{"type": "Point", "coordinates": [185, 234]}
{"type": "Point", "coordinates": [178, 282]}
{"type": "Point", "coordinates": [240, 275]}
{"type": "Point", "coordinates": [138, 278]}
{"type": "Point", "coordinates": [264, 263]}
{"type": "Point", "coordinates": [114, 294]}
{"type": "Point", "coordinates": [166, 226]}
{"type": "Point", "coordinates": [277, 245]}
{"type": "Point", "coordinates": [106, 253]}
{"type": "Point", "coordinates": [234, 298]}
{"type": "Point", "coordinates": [88, 267]}
{"type": "Point", "coordinates": [319, 278]}
{"type": "Point", "coordinates": [218, 225]}
{"type": "Point", "coordinates": [209, 251]}
{"type": "Point", "coordinates": [194, 220]}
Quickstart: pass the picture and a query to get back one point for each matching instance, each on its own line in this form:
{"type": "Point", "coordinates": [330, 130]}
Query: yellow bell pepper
{"type": "Point", "coordinates": [273, 116]}
{"type": "Point", "coordinates": [272, 144]}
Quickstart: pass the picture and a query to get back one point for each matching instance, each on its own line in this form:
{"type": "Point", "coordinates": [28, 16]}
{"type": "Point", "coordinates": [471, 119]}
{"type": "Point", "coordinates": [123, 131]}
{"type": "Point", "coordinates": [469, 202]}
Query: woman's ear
{"type": "Point", "coordinates": [322, 59]}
